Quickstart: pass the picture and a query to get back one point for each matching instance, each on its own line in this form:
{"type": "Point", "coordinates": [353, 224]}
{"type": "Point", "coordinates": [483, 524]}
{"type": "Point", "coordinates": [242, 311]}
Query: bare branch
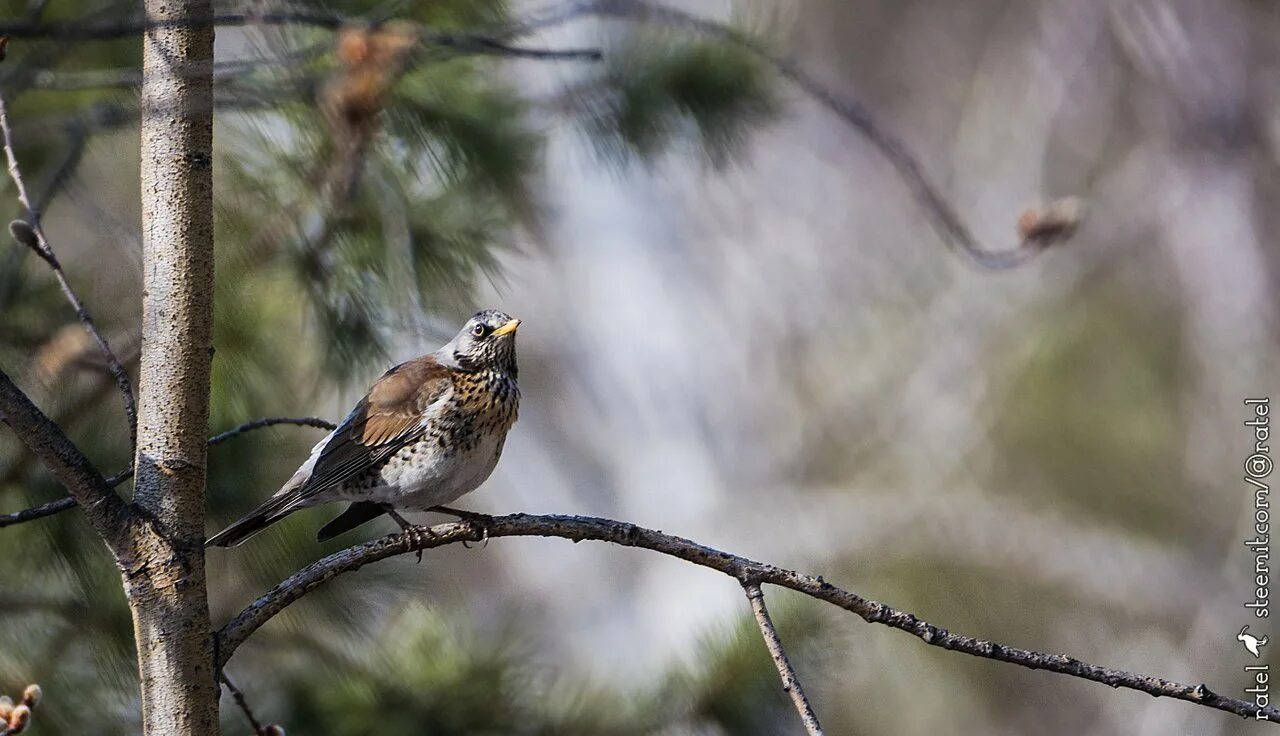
{"type": "Point", "coordinates": [790, 682]}
{"type": "Point", "coordinates": [316, 422]}
{"type": "Point", "coordinates": [746, 571]}
{"type": "Point", "coordinates": [942, 216]}
{"type": "Point", "coordinates": [496, 47]}
{"type": "Point", "coordinates": [99, 31]}
{"type": "Point", "coordinates": [258, 728]}
{"type": "Point", "coordinates": [105, 510]}
{"type": "Point", "coordinates": [38, 512]}
{"type": "Point", "coordinates": [108, 30]}
{"type": "Point", "coordinates": [62, 504]}
{"type": "Point", "coordinates": [31, 235]}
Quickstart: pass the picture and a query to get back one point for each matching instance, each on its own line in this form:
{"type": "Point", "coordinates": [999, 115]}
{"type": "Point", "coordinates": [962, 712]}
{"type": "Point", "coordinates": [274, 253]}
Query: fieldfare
{"type": "Point", "coordinates": [429, 431]}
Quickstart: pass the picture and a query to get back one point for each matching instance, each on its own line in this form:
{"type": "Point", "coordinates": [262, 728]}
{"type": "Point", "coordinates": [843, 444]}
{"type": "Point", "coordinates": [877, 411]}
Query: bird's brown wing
{"type": "Point", "coordinates": [386, 419]}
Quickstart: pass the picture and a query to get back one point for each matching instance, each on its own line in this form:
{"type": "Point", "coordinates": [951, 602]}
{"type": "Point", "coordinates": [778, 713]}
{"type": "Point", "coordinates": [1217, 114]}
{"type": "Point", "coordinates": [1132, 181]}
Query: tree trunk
{"type": "Point", "coordinates": [166, 587]}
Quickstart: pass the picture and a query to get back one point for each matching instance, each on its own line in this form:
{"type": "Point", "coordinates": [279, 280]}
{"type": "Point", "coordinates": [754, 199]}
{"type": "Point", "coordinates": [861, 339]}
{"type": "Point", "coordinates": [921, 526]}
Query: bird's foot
{"type": "Point", "coordinates": [417, 533]}
{"type": "Point", "coordinates": [419, 536]}
{"type": "Point", "coordinates": [479, 529]}
{"type": "Point", "coordinates": [479, 524]}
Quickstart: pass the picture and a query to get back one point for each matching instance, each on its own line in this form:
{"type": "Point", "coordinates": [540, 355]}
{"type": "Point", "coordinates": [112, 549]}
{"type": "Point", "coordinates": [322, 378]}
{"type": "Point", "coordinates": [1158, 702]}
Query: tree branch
{"type": "Point", "coordinates": [62, 504]}
{"type": "Point", "coordinates": [37, 512]}
{"type": "Point", "coordinates": [105, 510]}
{"type": "Point", "coordinates": [31, 235]}
{"type": "Point", "coordinates": [787, 673]}
{"type": "Point", "coordinates": [747, 571]}
{"type": "Point", "coordinates": [249, 426]}
{"type": "Point", "coordinates": [114, 29]}
{"type": "Point", "coordinates": [258, 728]}
{"type": "Point", "coordinates": [942, 216]}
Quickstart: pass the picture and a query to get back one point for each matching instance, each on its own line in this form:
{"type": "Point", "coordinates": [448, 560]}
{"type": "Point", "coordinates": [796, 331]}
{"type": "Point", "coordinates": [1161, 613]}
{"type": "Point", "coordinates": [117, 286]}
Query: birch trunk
{"type": "Point", "coordinates": [166, 588]}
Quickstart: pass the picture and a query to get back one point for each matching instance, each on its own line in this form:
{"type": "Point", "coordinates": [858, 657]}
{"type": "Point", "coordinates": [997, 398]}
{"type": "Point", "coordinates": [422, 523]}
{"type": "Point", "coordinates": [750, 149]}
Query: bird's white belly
{"type": "Point", "coordinates": [433, 477]}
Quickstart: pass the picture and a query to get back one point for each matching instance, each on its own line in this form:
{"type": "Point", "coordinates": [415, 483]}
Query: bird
{"type": "Point", "coordinates": [429, 431]}
{"type": "Point", "coordinates": [1250, 641]}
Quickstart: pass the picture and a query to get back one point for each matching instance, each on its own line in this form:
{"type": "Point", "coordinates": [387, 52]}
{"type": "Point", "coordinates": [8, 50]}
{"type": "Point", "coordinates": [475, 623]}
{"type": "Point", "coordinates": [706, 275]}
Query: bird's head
{"type": "Point", "coordinates": [486, 341]}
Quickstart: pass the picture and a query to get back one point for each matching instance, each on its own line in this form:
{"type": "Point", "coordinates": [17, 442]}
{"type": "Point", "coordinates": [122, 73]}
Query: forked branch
{"type": "Point", "coordinates": [787, 673]}
{"type": "Point", "coordinates": [104, 509]}
{"type": "Point", "coordinates": [746, 571]}
{"type": "Point", "coordinates": [62, 504]}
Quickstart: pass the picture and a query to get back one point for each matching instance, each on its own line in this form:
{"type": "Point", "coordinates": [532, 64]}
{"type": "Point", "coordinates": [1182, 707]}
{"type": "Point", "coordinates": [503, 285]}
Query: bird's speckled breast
{"type": "Point", "coordinates": [482, 404]}
{"type": "Point", "coordinates": [459, 448]}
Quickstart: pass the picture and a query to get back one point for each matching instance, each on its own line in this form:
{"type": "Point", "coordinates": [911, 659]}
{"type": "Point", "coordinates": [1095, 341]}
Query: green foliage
{"type": "Point", "coordinates": [314, 284]}
{"type": "Point", "coordinates": [659, 88]}
{"type": "Point", "coordinates": [427, 674]}
{"type": "Point", "coordinates": [733, 689]}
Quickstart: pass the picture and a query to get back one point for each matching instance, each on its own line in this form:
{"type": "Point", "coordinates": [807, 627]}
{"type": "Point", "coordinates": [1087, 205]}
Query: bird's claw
{"type": "Point", "coordinates": [418, 536]}
{"type": "Point", "coordinates": [479, 529]}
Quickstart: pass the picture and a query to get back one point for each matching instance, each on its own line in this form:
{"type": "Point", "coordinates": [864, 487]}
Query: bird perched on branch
{"type": "Point", "coordinates": [430, 430]}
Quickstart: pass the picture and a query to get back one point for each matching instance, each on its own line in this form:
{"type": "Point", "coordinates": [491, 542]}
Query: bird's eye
{"type": "Point", "coordinates": [479, 330]}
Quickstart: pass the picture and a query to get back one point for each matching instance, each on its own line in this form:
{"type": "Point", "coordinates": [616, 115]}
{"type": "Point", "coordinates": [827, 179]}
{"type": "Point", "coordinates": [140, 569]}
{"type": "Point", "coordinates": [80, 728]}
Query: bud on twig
{"type": "Point", "coordinates": [31, 696]}
{"type": "Point", "coordinates": [1050, 223]}
{"type": "Point", "coordinates": [15, 718]}
{"type": "Point", "coordinates": [19, 719]}
{"type": "Point", "coordinates": [25, 234]}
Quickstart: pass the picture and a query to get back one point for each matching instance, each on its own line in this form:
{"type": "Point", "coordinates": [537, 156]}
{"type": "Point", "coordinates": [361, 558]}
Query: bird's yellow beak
{"type": "Point", "coordinates": [508, 328]}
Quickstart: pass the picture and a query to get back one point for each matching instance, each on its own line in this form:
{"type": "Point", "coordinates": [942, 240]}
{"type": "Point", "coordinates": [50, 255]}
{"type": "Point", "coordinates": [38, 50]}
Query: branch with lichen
{"type": "Point", "coordinates": [747, 571]}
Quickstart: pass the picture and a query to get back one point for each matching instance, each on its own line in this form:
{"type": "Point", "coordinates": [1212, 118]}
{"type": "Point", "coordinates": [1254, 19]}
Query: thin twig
{"type": "Point", "coordinates": [316, 422]}
{"type": "Point", "coordinates": [115, 28]}
{"type": "Point", "coordinates": [105, 510]}
{"type": "Point", "coordinates": [496, 47]}
{"type": "Point", "coordinates": [62, 504]}
{"type": "Point", "coordinates": [787, 673]}
{"type": "Point", "coordinates": [131, 77]}
{"type": "Point", "coordinates": [236, 695]}
{"type": "Point", "coordinates": [580, 528]}
{"type": "Point", "coordinates": [81, 31]}
{"type": "Point", "coordinates": [38, 512]}
{"type": "Point", "coordinates": [43, 249]}
{"type": "Point", "coordinates": [942, 216]}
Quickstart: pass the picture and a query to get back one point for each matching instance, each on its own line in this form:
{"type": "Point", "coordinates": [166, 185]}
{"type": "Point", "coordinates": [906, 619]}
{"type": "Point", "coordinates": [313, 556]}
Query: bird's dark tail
{"type": "Point", "coordinates": [355, 515]}
{"type": "Point", "coordinates": [273, 510]}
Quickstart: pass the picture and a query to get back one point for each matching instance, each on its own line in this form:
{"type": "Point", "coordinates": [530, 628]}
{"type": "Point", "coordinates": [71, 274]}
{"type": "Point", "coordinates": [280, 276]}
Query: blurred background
{"type": "Point", "coordinates": [740, 327]}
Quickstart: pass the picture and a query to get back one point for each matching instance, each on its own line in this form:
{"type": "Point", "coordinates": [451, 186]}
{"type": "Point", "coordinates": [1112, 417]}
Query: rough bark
{"type": "Point", "coordinates": [166, 587]}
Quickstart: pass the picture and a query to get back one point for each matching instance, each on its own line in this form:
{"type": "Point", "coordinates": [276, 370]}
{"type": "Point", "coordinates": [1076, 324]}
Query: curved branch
{"type": "Point", "coordinates": [747, 571]}
{"type": "Point", "coordinates": [942, 216]}
{"type": "Point", "coordinates": [62, 504]}
{"type": "Point", "coordinates": [249, 426]}
{"type": "Point", "coordinates": [772, 642]}
{"type": "Point", "coordinates": [31, 235]}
